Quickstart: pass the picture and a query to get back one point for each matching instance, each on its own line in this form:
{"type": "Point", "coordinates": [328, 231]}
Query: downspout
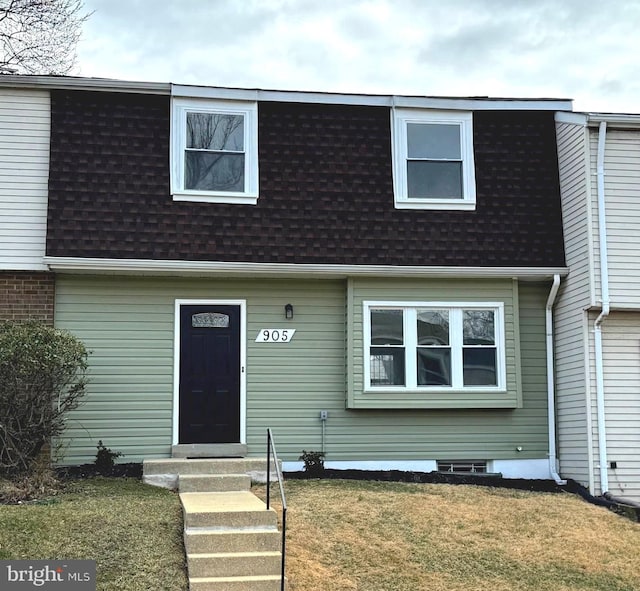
{"type": "Point", "coordinates": [597, 325]}
{"type": "Point", "coordinates": [551, 398]}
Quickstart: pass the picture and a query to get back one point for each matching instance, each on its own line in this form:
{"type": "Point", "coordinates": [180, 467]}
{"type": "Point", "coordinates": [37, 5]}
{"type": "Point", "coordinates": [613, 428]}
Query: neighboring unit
{"type": "Point", "coordinates": [598, 309]}
{"type": "Point", "coordinates": [26, 284]}
{"type": "Point", "coordinates": [369, 276]}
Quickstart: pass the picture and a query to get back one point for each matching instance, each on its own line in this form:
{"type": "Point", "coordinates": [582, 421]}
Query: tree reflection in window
{"type": "Point", "coordinates": [387, 353]}
{"type": "Point", "coordinates": [434, 350]}
{"type": "Point", "coordinates": [214, 157]}
{"type": "Point", "coordinates": [479, 352]}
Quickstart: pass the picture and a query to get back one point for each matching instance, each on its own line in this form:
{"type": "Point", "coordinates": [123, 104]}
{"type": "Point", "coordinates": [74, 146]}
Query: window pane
{"type": "Point", "coordinates": [214, 131]}
{"type": "Point", "coordinates": [478, 327]}
{"type": "Point", "coordinates": [433, 140]}
{"type": "Point", "coordinates": [479, 366]}
{"type": "Point", "coordinates": [386, 327]}
{"type": "Point", "coordinates": [386, 366]}
{"type": "Point", "coordinates": [209, 171]}
{"type": "Point", "coordinates": [434, 366]}
{"type": "Point", "coordinates": [441, 180]}
{"type": "Point", "coordinates": [433, 327]}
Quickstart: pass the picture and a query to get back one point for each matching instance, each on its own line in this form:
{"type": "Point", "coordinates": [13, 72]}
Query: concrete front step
{"type": "Point", "coordinates": [213, 482]}
{"type": "Point", "coordinates": [209, 450]}
{"type": "Point", "coordinates": [225, 510]}
{"type": "Point", "coordinates": [204, 465]}
{"type": "Point", "coordinates": [204, 540]}
{"type": "Point", "coordinates": [165, 471]}
{"type": "Point", "coordinates": [251, 583]}
{"type": "Point", "coordinates": [234, 564]}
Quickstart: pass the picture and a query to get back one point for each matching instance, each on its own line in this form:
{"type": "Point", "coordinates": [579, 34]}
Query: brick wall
{"type": "Point", "coordinates": [27, 295]}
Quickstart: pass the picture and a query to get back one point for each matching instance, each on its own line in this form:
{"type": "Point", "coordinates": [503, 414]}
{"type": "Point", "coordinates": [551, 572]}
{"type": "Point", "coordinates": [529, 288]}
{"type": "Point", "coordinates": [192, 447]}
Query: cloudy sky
{"type": "Point", "coordinates": [582, 49]}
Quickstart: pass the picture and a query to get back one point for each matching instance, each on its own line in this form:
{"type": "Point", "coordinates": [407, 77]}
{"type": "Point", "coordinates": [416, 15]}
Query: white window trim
{"type": "Point", "coordinates": [249, 110]}
{"type": "Point", "coordinates": [399, 120]}
{"type": "Point", "coordinates": [411, 345]}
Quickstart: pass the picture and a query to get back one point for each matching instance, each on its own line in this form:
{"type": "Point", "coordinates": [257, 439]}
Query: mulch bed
{"type": "Point", "coordinates": [131, 470]}
{"type": "Point", "coordinates": [479, 479]}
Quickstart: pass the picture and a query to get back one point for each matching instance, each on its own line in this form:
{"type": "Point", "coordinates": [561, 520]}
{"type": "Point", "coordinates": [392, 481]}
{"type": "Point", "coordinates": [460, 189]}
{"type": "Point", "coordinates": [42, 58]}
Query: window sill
{"type": "Point", "coordinates": [439, 399]}
{"type": "Point", "coordinates": [204, 197]}
{"type": "Point", "coordinates": [434, 391]}
{"type": "Point", "coordinates": [442, 204]}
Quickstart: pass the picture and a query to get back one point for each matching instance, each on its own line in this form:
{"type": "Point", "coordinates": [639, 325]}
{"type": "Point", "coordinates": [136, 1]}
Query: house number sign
{"type": "Point", "coordinates": [275, 335]}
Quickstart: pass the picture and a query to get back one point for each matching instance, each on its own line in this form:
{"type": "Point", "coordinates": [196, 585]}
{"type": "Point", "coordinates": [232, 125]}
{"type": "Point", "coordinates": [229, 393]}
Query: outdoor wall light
{"type": "Point", "coordinates": [288, 311]}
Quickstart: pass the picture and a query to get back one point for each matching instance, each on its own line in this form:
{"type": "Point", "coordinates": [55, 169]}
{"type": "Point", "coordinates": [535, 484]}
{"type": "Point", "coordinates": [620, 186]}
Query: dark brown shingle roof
{"type": "Point", "coordinates": [326, 191]}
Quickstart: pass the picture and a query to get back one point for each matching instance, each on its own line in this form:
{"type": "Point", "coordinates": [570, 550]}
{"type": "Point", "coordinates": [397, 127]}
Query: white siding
{"type": "Point", "coordinates": [622, 197]}
{"type": "Point", "coordinates": [573, 297]}
{"type": "Point", "coordinates": [24, 172]}
{"type": "Point", "coordinates": [621, 349]}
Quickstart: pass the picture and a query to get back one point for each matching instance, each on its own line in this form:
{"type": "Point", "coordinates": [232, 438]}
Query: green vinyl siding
{"type": "Point", "coordinates": [128, 324]}
{"type": "Point", "coordinates": [455, 433]}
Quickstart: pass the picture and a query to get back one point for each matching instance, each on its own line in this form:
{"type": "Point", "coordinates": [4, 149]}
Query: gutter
{"type": "Point", "coordinates": [210, 268]}
{"type": "Point", "coordinates": [597, 325]}
{"type": "Point", "coordinates": [551, 399]}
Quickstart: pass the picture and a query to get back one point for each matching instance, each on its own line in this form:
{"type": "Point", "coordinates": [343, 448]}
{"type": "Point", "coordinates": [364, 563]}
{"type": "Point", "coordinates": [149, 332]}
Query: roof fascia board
{"type": "Point", "coordinates": [450, 103]}
{"type": "Point", "coordinates": [573, 118]}
{"type": "Point", "coordinates": [205, 268]}
{"type": "Point", "coordinates": [91, 84]}
{"type": "Point", "coordinates": [459, 104]}
{"type": "Point", "coordinates": [483, 104]}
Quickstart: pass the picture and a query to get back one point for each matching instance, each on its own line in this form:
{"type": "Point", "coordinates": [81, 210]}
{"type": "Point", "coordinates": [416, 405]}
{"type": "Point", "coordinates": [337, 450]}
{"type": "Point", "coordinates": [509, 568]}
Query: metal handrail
{"type": "Point", "coordinates": [271, 449]}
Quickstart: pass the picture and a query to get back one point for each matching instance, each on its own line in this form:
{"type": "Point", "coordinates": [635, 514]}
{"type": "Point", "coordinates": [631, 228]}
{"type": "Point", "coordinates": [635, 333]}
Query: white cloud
{"type": "Point", "coordinates": [578, 49]}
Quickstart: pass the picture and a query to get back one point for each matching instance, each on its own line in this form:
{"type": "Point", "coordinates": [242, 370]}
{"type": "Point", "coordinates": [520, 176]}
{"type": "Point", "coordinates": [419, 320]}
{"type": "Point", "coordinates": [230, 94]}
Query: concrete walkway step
{"type": "Point", "coordinates": [203, 540]}
{"type": "Point", "coordinates": [251, 583]}
{"type": "Point", "coordinates": [234, 564]}
{"type": "Point", "coordinates": [232, 541]}
{"type": "Point", "coordinates": [213, 482]}
{"type": "Point", "coordinates": [226, 510]}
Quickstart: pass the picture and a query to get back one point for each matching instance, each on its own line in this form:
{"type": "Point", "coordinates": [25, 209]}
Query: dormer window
{"type": "Point", "coordinates": [214, 151]}
{"type": "Point", "coordinates": [433, 159]}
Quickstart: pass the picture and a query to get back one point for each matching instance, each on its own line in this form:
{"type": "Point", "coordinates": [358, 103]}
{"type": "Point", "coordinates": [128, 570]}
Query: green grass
{"type": "Point", "coordinates": [133, 531]}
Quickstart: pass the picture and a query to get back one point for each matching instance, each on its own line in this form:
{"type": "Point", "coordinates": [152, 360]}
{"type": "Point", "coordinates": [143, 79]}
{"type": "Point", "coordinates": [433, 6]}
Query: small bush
{"type": "Point", "coordinates": [313, 462]}
{"type": "Point", "coordinates": [42, 378]}
{"type": "Point", "coordinates": [40, 482]}
{"type": "Point", "coordinates": [106, 459]}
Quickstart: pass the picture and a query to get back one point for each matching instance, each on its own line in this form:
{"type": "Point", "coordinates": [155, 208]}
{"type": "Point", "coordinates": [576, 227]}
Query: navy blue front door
{"type": "Point", "coordinates": [209, 409]}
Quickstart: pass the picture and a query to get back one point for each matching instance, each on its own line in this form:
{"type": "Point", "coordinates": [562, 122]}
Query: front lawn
{"type": "Point", "coordinates": [132, 530]}
{"type": "Point", "coordinates": [348, 535]}
{"type": "Point", "coordinates": [368, 536]}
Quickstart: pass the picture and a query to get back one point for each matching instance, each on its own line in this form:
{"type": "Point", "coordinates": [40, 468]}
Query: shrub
{"type": "Point", "coordinates": [106, 459]}
{"type": "Point", "coordinates": [313, 462]}
{"type": "Point", "coordinates": [40, 482]}
{"type": "Point", "coordinates": [42, 378]}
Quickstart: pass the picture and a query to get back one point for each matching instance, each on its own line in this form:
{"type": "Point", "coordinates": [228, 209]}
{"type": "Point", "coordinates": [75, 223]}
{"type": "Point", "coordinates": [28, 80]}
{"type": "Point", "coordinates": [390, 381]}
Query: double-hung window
{"type": "Point", "coordinates": [214, 151]}
{"type": "Point", "coordinates": [434, 346]}
{"type": "Point", "coordinates": [433, 162]}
